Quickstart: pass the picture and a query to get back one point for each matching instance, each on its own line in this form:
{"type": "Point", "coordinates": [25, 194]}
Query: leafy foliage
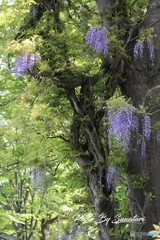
{"type": "Point", "coordinates": [54, 92]}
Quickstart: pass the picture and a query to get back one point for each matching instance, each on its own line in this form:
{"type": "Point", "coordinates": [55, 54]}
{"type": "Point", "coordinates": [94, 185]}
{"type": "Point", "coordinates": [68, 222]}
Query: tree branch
{"type": "Point", "coordinates": [66, 140]}
{"type": "Point", "coordinates": [59, 164]}
{"type": "Point", "coordinates": [60, 137]}
{"type": "Point", "coordinates": [2, 105]}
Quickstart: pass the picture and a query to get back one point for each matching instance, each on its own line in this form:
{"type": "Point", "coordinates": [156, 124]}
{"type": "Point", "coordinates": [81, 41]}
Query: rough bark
{"type": "Point", "coordinates": [45, 226]}
{"type": "Point", "coordinates": [96, 179]}
{"type": "Point", "coordinates": [101, 203]}
{"type": "Point", "coordinates": [142, 78]}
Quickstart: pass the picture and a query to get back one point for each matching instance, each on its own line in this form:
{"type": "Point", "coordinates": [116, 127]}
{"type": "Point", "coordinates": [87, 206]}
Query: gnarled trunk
{"type": "Point", "coordinates": [96, 178]}
{"type": "Point", "coordinates": [101, 202]}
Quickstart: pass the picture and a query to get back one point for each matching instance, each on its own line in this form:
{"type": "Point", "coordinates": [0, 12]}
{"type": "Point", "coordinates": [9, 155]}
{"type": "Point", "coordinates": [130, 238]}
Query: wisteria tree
{"type": "Point", "coordinates": [76, 55]}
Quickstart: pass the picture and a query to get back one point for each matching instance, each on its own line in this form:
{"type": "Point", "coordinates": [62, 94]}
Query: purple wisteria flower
{"type": "Point", "coordinates": [113, 176]}
{"type": "Point", "coordinates": [138, 50]}
{"type": "Point", "coordinates": [24, 62]}
{"type": "Point", "coordinates": [39, 176]}
{"type": "Point", "coordinates": [34, 177]}
{"type": "Point", "coordinates": [121, 124]}
{"type": "Point", "coordinates": [158, 137]}
{"type": "Point", "coordinates": [151, 48]}
{"type": "Point", "coordinates": [124, 121]}
{"type": "Point", "coordinates": [141, 141]}
{"type": "Point", "coordinates": [83, 231]}
{"type": "Point", "coordinates": [65, 237]}
{"type": "Point", "coordinates": [146, 124]}
{"type": "Point", "coordinates": [74, 231]}
{"type": "Point", "coordinates": [35, 9]}
{"type": "Point", "coordinates": [96, 38]}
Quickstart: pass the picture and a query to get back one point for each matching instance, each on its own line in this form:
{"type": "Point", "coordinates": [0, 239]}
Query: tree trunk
{"type": "Point", "coordinates": [101, 202]}
{"type": "Point", "coordinates": [96, 178]}
{"type": "Point", "coordinates": [45, 226]}
{"type": "Point", "coordinates": [141, 79]}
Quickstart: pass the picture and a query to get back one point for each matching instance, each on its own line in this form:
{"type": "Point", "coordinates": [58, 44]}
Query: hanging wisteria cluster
{"type": "Point", "coordinates": [123, 122]}
{"type": "Point", "coordinates": [24, 62]}
{"type": "Point", "coordinates": [76, 233]}
{"type": "Point", "coordinates": [113, 177]}
{"type": "Point", "coordinates": [39, 176]}
{"type": "Point", "coordinates": [65, 237]}
{"type": "Point", "coordinates": [35, 9]}
{"type": "Point", "coordinates": [138, 49]}
{"type": "Point", "coordinates": [97, 39]}
{"type": "Point", "coordinates": [151, 48]}
{"type": "Point", "coordinates": [146, 123]}
{"type": "Point", "coordinates": [158, 137]}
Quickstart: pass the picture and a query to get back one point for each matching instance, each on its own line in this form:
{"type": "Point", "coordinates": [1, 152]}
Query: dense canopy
{"type": "Point", "coordinates": [80, 128]}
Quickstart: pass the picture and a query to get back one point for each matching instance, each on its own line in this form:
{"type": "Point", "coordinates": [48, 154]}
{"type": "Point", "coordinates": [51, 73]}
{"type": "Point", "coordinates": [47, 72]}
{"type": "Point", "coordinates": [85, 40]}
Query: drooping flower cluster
{"type": "Point", "coordinates": [83, 231]}
{"type": "Point", "coordinates": [35, 9]}
{"type": "Point", "coordinates": [39, 175]}
{"type": "Point", "coordinates": [138, 49]}
{"type": "Point", "coordinates": [65, 237]}
{"type": "Point", "coordinates": [24, 62]}
{"type": "Point", "coordinates": [113, 177]}
{"type": "Point", "coordinates": [151, 48]}
{"type": "Point", "coordinates": [121, 124]}
{"type": "Point", "coordinates": [146, 124]}
{"type": "Point", "coordinates": [76, 233]}
{"type": "Point", "coordinates": [96, 38]}
{"type": "Point", "coordinates": [158, 137]}
{"type": "Point", "coordinates": [142, 142]}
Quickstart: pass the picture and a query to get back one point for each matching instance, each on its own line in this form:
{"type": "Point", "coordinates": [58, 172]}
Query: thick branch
{"type": "Point", "coordinates": [61, 81]}
{"type": "Point", "coordinates": [66, 140]}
